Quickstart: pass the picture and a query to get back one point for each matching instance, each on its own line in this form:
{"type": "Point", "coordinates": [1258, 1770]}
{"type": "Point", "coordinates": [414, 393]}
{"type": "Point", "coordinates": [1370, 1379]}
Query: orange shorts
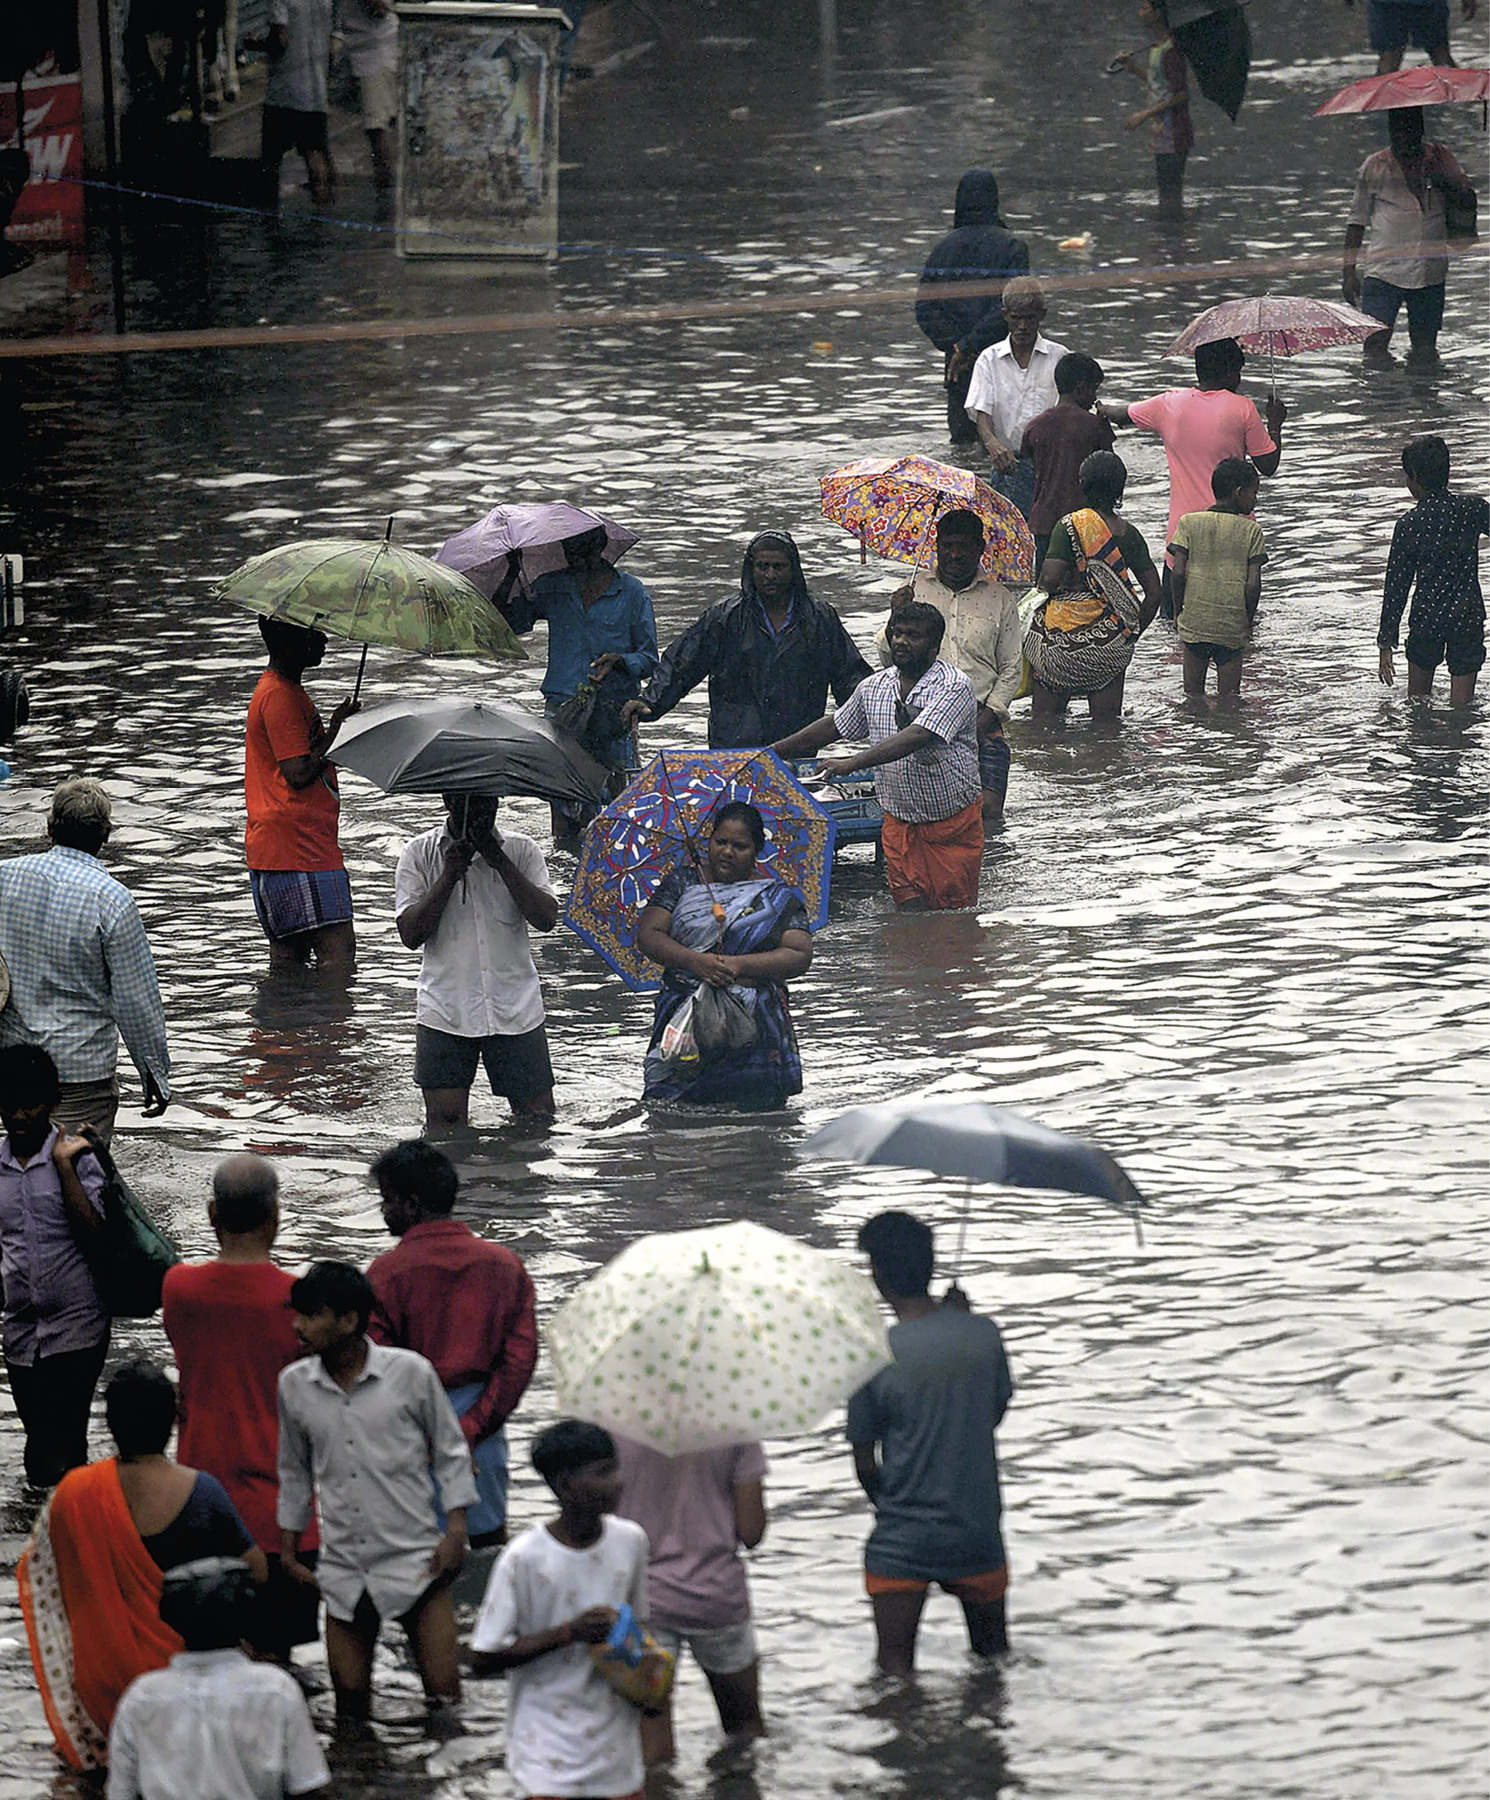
{"type": "Point", "coordinates": [981, 1590]}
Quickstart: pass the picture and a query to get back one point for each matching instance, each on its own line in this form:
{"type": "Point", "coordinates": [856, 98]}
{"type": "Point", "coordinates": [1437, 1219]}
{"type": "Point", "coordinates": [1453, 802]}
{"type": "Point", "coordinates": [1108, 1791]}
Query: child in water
{"type": "Point", "coordinates": [1217, 576]}
{"type": "Point", "coordinates": [1437, 547]}
{"type": "Point", "coordinates": [1162, 67]}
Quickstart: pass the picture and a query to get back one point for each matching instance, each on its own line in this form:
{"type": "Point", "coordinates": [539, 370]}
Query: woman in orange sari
{"type": "Point", "coordinates": [90, 1579]}
{"type": "Point", "coordinates": [1100, 590]}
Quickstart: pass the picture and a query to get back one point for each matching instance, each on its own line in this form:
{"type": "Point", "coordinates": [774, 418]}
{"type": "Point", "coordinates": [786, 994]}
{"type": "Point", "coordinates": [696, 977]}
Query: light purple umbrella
{"type": "Point", "coordinates": [537, 528]}
{"type": "Point", "coordinates": [1278, 323]}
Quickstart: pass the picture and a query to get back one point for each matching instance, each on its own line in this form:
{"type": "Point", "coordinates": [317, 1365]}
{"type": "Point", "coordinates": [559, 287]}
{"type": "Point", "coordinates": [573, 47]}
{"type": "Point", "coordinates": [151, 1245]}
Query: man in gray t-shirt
{"type": "Point", "coordinates": [922, 1435]}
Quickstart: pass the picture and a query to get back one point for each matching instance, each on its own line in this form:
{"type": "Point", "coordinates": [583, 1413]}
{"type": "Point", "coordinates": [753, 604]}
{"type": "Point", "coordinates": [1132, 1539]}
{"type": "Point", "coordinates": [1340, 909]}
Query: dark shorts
{"type": "Point", "coordinates": [1462, 648]}
{"type": "Point", "coordinates": [1213, 653]}
{"type": "Point", "coordinates": [286, 130]}
{"type": "Point", "coordinates": [1393, 27]}
{"type": "Point", "coordinates": [1382, 300]}
{"type": "Point", "coordinates": [286, 1612]}
{"type": "Point", "coordinates": [993, 764]}
{"type": "Point", "coordinates": [291, 903]}
{"type": "Point", "coordinates": [517, 1067]}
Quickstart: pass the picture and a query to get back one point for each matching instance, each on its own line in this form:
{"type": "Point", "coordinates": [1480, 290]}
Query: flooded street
{"type": "Point", "coordinates": [1245, 1466]}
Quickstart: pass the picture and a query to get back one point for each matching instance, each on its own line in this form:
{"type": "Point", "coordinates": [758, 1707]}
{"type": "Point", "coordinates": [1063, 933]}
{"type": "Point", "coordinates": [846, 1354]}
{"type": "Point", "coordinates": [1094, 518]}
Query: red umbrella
{"type": "Point", "coordinates": [1429, 86]}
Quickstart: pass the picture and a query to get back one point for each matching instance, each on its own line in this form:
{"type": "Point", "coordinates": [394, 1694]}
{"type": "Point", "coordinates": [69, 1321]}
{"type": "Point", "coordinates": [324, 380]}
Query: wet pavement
{"type": "Point", "coordinates": [1245, 1466]}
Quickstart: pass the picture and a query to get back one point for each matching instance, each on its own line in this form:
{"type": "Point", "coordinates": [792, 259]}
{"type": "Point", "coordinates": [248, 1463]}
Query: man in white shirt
{"type": "Point", "coordinates": [368, 1439]}
{"type": "Point", "coordinates": [212, 1722]}
{"type": "Point", "coordinates": [369, 33]}
{"type": "Point", "coordinates": [1401, 201]}
{"type": "Point", "coordinates": [984, 639]}
{"type": "Point", "coordinates": [1014, 382]}
{"type": "Point", "coordinates": [465, 895]}
{"type": "Point", "coordinates": [557, 1589]}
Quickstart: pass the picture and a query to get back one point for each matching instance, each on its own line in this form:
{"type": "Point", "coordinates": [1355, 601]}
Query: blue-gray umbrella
{"type": "Point", "coordinates": [973, 1141]}
{"type": "Point", "coordinates": [466, 746]}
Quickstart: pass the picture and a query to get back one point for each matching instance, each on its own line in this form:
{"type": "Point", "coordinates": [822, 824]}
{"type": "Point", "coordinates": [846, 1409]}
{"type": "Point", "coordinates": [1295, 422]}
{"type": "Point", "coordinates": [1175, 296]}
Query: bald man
{"type": "Point", "coordinates": [229, 1324]}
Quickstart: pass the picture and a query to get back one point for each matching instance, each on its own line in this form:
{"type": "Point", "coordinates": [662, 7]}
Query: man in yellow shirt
{"type": "Point", "coordinates": [984, 639]}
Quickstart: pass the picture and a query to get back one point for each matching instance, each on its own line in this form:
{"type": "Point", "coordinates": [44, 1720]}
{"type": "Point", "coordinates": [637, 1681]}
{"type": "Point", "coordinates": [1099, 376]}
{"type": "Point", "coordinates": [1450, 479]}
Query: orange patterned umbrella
{"type": "Point", "coordinates": [892, 505]}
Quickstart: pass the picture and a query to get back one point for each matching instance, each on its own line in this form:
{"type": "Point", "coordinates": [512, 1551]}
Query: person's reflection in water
{"type": "Point", "coordinates": [955, 1730]}
{"type": "Point", "coordinates": [304, 1044]}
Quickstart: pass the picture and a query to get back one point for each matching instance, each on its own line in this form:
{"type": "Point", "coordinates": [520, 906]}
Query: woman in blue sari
{"type": "Point", "coordinates": [733, 928]}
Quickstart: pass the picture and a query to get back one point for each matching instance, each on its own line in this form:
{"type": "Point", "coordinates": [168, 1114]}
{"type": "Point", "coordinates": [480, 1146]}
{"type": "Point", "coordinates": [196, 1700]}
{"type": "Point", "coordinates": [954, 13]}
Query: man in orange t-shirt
{"type": "Point", "coordinates": [228, 1321]}
{"type": "Point", "coordinates": [300, 886]}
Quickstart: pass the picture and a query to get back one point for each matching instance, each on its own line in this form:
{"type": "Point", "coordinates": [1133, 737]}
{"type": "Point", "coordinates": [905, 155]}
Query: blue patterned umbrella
{"type": "Point", "coordinates": [660, 823]}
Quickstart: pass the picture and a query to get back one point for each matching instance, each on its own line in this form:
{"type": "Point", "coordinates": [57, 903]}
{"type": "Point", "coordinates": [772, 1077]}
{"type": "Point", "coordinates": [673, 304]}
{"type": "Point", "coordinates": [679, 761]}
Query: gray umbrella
{"type": "Point", "coordinates": [977, 1142]}
{"type": "Point", "coordinates": [466, 746]}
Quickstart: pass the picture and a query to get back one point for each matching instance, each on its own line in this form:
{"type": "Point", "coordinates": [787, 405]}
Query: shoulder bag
{"type": "Point", "coordinates": [131, 1268]}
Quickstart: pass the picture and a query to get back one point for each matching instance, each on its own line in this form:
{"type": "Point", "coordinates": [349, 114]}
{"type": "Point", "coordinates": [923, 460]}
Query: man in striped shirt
{"type": "Point", "coordinates": [919, 718]}
{"type": "Point", "coordinates": [81, 973]}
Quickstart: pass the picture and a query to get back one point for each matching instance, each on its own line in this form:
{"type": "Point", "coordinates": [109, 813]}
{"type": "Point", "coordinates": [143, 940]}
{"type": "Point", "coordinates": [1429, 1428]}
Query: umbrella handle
{"type": "Point", "coordinates": [967, 1206]}
{"type": "Point", "coordinates": [357, 691]}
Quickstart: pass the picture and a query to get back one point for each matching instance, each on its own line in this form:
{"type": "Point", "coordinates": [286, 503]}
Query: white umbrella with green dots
{"type": "Point", "coordinates": [692, 1339]}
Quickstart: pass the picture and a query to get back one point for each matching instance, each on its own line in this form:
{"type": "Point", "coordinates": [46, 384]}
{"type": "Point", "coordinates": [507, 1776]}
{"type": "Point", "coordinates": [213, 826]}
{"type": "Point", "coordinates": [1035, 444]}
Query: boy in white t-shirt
{"type": "Point", "coordinates": [556, 1590]}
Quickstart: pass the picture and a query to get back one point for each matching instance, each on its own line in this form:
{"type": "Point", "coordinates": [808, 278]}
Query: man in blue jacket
{"type": "Point", "coordinates": [979, 248]}
{"type": "Point", "coordinates": [770, 653]}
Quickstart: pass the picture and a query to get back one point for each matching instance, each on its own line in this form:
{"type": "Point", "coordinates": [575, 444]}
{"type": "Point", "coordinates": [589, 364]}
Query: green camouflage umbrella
{"type": "Point", "coordinates": [373, 592]}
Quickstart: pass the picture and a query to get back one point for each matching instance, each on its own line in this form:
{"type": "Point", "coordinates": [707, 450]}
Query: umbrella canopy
{"type": "Point", "coordinates": [977, 1142]}
{"type": "Point", "coordinates": [659, 824]}
{"type": "Point", "coordinates": [374, 592]}
{"type": "Point", "coordinates": [537, 528]}
{"type": "Point", "coordinates": [1278, 323]}
{"type": "Point", "coordinates": [1424, 86]}
{"type": "Point", "coordinates": [469, 747]}
{"type": "Point", "coordinates": [892, 505]}
{"type": "Point", "coordinates": [1215, 39]}
{"type": "Point", "coordinates": [692, 1339]}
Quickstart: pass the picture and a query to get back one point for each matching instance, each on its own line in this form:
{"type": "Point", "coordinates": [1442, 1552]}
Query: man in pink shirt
{"type": "Point", "coordinates": [1202, 426]}
{"type": "Point", "coordinates": [698, 1511]}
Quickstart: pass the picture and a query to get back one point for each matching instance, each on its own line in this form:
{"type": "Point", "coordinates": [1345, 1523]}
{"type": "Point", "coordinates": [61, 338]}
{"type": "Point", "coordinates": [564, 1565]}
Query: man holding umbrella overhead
{"type": "Point", "coordinates": [465, 895]}
{"type": "Point", "coordinates": [600, 631]}
{"type": "Point", "coordinates": [300, 886]}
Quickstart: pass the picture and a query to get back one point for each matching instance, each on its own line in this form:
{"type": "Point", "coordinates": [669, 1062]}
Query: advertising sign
{"type": "Point", "coordinates": [478, 130]}
{"type": "Point", "coordinates": [49, 214]}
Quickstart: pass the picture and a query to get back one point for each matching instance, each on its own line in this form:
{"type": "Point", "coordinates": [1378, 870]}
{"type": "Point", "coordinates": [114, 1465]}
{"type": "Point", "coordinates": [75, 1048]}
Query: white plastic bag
{"type": "Point", "coordinates": [679, 1046]}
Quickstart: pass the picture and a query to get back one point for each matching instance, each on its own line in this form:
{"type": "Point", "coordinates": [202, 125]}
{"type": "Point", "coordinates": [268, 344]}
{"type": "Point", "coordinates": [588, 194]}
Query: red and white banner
{"type": "Point", "coordinates": [49, 214]}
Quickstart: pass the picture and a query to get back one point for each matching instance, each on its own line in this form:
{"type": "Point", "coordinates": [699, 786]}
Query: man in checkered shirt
{"type": "Point", "coordinates": [81, 973]}
{"type": "Point", "coordinates": [919, 718]}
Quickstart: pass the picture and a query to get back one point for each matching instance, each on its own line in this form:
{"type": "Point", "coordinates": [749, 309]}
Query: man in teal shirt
{"type": "Point", "coordinates": [922, 1436]}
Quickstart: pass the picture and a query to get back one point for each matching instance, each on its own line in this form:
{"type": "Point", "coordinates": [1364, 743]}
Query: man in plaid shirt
{"type": "Point", "coordinates": [81, 973]}
{"type": "Point", "coordinates": [919, 718]}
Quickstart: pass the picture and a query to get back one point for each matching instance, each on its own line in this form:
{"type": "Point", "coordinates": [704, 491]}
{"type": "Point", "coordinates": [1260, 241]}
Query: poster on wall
{"type": "Point", "coordinates": [478, 130]}
{"type": "Point", "coordinates": [49, 213]}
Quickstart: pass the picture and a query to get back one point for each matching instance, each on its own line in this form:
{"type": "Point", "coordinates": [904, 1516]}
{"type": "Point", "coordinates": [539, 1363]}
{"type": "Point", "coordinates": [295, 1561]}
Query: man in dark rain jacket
{"type": "Point", "coordinates": [770, 653]}
{"type": "Point", "coordinates": [979, 248]}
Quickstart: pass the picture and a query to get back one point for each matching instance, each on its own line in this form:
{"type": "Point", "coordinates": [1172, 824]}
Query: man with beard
{"type": "Point", "coordinates": [770, 653]}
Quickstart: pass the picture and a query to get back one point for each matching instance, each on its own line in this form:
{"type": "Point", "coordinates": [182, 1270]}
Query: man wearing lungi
{"type": "Point", "coordinates": [919, 718]}
{"type": "Point", "coordinates": [300, 887]}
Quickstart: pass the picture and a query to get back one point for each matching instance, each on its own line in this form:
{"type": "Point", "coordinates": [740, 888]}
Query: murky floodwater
{"type": "Point", "coordinates": [1245, 1466]}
